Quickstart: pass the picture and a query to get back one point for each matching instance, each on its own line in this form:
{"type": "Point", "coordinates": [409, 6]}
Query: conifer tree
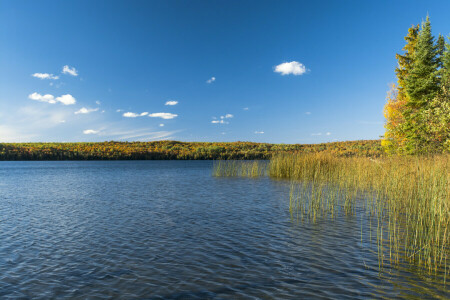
{"type": "Point", "coordinates": [445, 59]}
{"type": "Point", "coordinates": [440, 50]}
{"type": "Point", "coordinates": [422, 84]}
{"type": "Point", "coordinates": [395, 137]}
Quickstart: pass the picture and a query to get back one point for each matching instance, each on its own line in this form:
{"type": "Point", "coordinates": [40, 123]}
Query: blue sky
{"type": "Point", "coordinates": [105, 70]}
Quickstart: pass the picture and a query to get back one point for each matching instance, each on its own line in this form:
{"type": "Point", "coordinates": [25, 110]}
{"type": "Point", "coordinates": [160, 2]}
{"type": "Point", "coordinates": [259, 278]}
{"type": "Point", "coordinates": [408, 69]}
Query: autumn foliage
{"type": "Point", "coordinates": [177, 150]}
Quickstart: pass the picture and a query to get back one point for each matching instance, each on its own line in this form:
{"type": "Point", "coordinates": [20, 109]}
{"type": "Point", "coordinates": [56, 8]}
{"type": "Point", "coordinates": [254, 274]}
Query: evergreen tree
{"type": "Point", "coordinates": [395, 137]}
{"type": "Point", "coordinates": [422, 83]}
{"type": "Point", "coordinates": [440, 50]}
{"type": "Point", "coordinates": [445, 59]}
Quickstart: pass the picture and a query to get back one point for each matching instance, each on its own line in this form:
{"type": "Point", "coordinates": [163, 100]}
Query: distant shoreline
{"type": "Point", "coordinates": [175, 150]}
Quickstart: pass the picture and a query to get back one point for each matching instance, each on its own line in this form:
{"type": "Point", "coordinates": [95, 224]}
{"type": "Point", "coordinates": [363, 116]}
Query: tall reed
{"type": "Point", "coordinates": [408, 197]}
{"type": "Point", "coordinates": [233, 168]}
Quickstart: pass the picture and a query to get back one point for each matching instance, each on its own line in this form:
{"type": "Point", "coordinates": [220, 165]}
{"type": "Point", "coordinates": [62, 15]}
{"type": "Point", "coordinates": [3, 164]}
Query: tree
{"type": "Point", "coordinates": [394, 111]}
{"type": "Point", "coordinates": [422, 82]}
{"type": "Point", "coordinates": [445, 59]}
{"type": "Point", "coordinates": [422, 85]}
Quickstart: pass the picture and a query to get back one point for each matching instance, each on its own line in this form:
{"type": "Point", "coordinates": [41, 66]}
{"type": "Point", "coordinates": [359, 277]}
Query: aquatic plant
{"type": "Point", "coordinates": [408, 198]}
{"type": "Point", "coordinates": [233, 168]}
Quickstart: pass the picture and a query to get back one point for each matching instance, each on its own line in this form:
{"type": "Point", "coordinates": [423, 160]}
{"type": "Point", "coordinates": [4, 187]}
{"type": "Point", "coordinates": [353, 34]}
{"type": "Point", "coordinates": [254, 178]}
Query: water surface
{"type": "Point", "coordinates": [169, 230]}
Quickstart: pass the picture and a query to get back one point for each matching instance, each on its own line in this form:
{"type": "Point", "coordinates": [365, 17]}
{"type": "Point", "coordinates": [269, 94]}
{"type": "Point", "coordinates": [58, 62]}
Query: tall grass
{"type": "Point", "coordinates": [233, 168]}
{"type": "Point", "coordinates": [408, 197]}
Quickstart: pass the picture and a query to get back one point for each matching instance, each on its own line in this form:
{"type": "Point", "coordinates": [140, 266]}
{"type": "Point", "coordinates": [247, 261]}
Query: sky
{"type": "Point", "coordinates": [260, 71]}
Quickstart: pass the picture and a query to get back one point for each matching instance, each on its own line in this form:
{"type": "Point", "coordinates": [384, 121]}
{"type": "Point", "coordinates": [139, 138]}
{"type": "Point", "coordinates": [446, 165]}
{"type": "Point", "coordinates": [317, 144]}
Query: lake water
{"type": "Point", "coordinates": [170, 230]}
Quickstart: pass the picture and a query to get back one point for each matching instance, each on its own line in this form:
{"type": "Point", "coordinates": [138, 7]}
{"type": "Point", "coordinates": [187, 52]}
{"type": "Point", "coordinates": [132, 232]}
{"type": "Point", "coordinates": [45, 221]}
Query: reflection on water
{"type": "Point", "coordinates": [168, 229]}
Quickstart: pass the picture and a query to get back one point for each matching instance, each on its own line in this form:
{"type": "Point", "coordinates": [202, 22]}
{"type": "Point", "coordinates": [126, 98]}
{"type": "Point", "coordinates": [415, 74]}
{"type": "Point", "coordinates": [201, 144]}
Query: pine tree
{"type": "Point", "coordinates": [422, 84]}
{"type": "Point", "coordinates": [440, 50]}
{"type": "Point", "coordinates": [445, 60]}
{"type": "Point", "coordinates": [395, 137]}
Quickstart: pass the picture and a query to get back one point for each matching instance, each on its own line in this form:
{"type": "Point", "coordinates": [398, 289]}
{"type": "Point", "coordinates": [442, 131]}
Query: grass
{"type": "Point", "coordinates": [233, 168]}
{"type": "Point", "coordinates": [407, 197]}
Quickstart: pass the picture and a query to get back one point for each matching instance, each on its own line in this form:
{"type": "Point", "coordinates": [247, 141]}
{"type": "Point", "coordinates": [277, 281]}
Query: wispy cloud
{"type": "Point", "coordinates": [161, 125]}
{"type": "Point", "coordinates": [90, 131]}
{"type": "Point", "coordinates": [219, 122]}
{"type": "Point", "coordinates": [85, 110]}
{"type": "Point", "coordinates": [142, 134]}
{"type": "Point", "coordinates": [171, 102]}
{"type": "Point", "coordinates": [162, 115]}
{"type": "Point", "coordinates": [64, 99]}
{"type": "Point", "coordinates": [32, 123]}
{"type": "Point", "coordinates": [316, 134]}
{"type": "Point", "coordinates": [293, 67]}
{"type": "Point", "coordinates": [134, 115]}
{"type": "Point", "coordinates": [211, 80]}
{"type": "Point", "coordinates": [259, 132]}
{"type": "Point", "coordinates": [70, 70]}
{"type": "Point", "coordinates": [222, 119]}
{"type": "Point", "coordinates": [45, 76]}
{"type": "Point", "coordinates": [245, 108]}
{"type": "Point", "coordinates": [307, 113]}
{"type": "Point", "coordinates": [98, 102]}
{"type": "Point", "coordinates": [328, 133]}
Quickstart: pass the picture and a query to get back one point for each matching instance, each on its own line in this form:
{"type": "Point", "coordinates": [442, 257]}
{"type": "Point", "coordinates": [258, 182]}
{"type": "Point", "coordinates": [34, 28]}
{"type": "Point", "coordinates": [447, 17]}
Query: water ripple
{"type": "Point", "coordinates": [169, 230]}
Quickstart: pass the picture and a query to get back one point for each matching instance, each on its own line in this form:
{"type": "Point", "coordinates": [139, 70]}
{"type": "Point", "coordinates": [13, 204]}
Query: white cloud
{"type": "Point", "coordinates": [222, 119]}
{"type": "Point", "coordinates": [42, 98]}
{"type": "Point", "coordinates": [219, 122]}
{"type": "Point", "coordinates": [307, 113]}
{"type": "Point", "coordinates": [85, 110]}
{"type": "Point", "coordinates": [161, 115]}
{"type": "Point", "coordinates": [130, 115]}
{"type": "Point", "coordinates": [64, 99]}
{"type": "Point", "coordinates": [98, 102]}
{"type": "Point", "coordinates": [134, 115]}
{"type": "Point", "coordinates": [293, 67]}
{"type": "Point", "coordinates": [45, 76]}
{"type": "Point", "coordinates": [90, 131]}
{"type": "Point", "coordinates": [161, 125]}
{"type": "Point", "coordinates": [68, 70]}
{"type": "Point", "coordinates": [259, 132]}
{"type": "Point", "coordinates": [171, 102]}
{"type": "Point", "coordinates": [211, 80]}
{"type": "Point", "coordinates": [119, 110]}
{"type": "Point", "coordinates": [328, 133]}
{"type": "Point", "coordinates": [245, 108]}
{"type": "Point", "coordinates": [316, 134]}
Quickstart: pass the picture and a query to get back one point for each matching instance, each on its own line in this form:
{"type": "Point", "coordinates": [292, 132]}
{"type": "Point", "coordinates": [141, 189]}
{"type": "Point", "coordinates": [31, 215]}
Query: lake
{"type": "Point", "coordinates": [170, 230]}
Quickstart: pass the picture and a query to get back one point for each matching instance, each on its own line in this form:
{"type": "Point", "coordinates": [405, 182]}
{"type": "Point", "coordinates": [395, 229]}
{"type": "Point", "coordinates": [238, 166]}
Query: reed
{"type": "Point", "coordinates": [233, 168]}
{"type": "Point", "coordinates": [407, 197]}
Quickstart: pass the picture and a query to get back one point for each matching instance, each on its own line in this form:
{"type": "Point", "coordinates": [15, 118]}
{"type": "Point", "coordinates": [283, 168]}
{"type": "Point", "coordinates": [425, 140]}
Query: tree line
{"type": "Point", "coordinates": [178, 150]}
{"type": "Point", "coordinates": [418, 106]}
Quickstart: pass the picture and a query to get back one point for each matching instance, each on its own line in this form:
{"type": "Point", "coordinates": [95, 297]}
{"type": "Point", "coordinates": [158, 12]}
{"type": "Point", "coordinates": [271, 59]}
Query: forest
{"type": "Point", "coordinates": [179, 150]}
{"type": "Point", "coordinates": [417, 111]}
